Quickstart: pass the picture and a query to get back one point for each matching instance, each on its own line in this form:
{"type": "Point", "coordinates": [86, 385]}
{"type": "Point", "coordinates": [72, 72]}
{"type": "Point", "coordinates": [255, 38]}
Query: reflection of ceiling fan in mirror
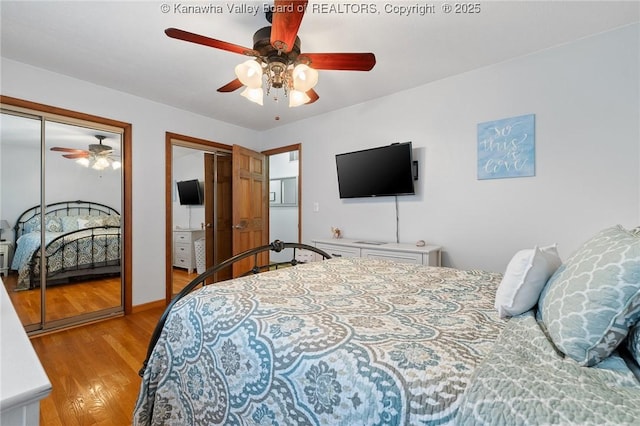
{"type": "Point", "coordinates": [98, 156]}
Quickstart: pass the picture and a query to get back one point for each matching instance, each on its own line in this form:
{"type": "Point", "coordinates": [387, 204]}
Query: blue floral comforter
{"type": "Point", "coordinates": [338, 342]}
{"type": "Point", "coordinates": [72, 250]}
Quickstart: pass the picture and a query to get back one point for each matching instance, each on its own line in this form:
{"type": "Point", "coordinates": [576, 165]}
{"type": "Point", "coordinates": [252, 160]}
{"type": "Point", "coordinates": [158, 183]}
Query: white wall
{"type": "Point", "coordinates": [150, 121]}
{"type": "Point", "coordinates": [188, 167]}
{"type": "Point", "coordinates": [585, 97]}
{"type": "Point", "coordinates": [65, 180]}
{"type": "Point", "coordinates": [283, 220]}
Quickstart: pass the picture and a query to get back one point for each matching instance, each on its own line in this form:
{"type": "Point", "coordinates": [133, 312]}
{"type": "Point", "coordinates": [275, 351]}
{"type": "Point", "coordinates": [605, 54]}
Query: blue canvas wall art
{"type": "Point", "coordinates": [506, 148]}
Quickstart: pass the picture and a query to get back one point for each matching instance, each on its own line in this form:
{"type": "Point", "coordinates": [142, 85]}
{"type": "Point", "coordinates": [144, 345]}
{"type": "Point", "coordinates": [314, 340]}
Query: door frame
{"type": "Point", "coordinates": [126, 150]}
{"type": "Point", "coordinates": [289, 148]}
{"type": "Point", "coordinates": [177, 139]}
{"type": "Point", "coordinates": [171, 140]}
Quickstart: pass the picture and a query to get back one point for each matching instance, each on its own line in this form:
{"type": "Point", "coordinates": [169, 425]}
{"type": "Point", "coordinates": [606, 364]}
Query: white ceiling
{"type": "Point", "coordinates": [122, 45]}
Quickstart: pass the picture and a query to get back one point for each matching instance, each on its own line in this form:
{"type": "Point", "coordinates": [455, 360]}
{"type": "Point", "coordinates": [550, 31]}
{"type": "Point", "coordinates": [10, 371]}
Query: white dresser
{"type": "Point", "coordinates": [408, 253]}
{"type": "Point", "coordinates": [184, 255]}
{"type": "Point", "coordinates": [23, 381]}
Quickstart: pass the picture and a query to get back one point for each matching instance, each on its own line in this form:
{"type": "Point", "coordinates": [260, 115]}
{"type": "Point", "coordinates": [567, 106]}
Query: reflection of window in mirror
{"type": "Point", "coordinates": [283, 192]}
{"type": "Point", "coordinates": [290, 191]}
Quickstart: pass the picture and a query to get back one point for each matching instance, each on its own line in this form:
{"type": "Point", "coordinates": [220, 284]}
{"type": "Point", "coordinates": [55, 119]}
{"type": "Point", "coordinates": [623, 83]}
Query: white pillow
{"type": "Point", "coordinates": [90, 222]}
{"type": "Point", "coordinates": [525, 277]}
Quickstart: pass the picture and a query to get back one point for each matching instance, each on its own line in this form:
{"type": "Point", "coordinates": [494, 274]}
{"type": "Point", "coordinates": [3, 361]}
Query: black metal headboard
{"type": "Point", "coordinates": [60, 209]}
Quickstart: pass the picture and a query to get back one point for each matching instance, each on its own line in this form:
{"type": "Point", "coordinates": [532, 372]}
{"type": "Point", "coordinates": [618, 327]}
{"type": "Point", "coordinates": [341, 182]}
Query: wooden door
{"type": "Point", "coordinates": [223, 219]}
{"type": "Point", "coordinates": [209, 209]}
{"type": "Point", "coordinates": [250, 205]}
{"type": "Point", "coordinates": [218, 212]}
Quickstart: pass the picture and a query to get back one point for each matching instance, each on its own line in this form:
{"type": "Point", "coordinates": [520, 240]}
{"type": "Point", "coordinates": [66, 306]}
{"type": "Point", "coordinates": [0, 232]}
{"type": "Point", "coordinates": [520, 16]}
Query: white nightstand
{"type": "Point", "coordinates": [6, 253]}
{"type": "Point", "coordinates": [184, 255]}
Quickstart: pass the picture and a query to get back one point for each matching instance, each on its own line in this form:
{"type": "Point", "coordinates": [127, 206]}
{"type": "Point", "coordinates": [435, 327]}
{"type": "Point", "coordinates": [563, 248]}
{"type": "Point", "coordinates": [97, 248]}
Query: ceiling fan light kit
{"type": "Point", "coordinates": [249, 73]}
{"type": "Point", "coordinates": [98, 156]}
{"type": "Point", "coordinates": [278, 63]}
{"type": "Point", "coordinates": [254, 95]}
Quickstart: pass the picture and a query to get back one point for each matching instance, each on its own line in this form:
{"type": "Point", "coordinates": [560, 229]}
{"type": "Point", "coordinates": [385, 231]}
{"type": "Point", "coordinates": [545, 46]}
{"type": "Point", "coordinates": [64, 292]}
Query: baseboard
{"type": "Point", "coordinates": [151, 305]}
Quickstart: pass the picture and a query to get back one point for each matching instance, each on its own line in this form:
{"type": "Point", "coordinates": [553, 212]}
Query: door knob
{"type": "Point", "coordinates": [242, 224]}
{"type": "Point", "coordinates": [208, 225]}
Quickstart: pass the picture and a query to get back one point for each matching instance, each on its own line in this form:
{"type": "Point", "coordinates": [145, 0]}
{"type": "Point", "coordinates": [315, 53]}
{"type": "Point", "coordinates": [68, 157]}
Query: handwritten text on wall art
{"type": "Point", "coordinates": [506, 148]}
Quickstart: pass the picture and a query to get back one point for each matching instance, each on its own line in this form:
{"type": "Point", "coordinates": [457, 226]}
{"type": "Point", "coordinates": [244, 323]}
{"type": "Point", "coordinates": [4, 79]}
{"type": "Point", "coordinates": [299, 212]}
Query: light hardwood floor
{"type": "Point", "coordinates": [94, 370]}
{"type": "Point", "coordinates": [64, 300]}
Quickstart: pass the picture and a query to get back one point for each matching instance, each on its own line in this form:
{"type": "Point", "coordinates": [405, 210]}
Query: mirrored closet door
{"type": "Point", "coordinates": [62, 195]}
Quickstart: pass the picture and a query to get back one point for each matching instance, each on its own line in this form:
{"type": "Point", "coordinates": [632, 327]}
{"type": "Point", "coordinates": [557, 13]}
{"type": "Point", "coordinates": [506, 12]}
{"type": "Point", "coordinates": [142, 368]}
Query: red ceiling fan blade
{"type": "Point", "coordinates": [78, 155]}
{"type": "Point", "coordinates": [287, 16]}
{"type": "Point", "coordinates": [312, 95]}
{"type": "Point", "coordinates": [231, 86]}
{"type": "Point", "coordinates": [207, 41]}
{"type": "Point", "coordinates": [340, 61]}
{"type": "Point", "coordinates": [58, 148]}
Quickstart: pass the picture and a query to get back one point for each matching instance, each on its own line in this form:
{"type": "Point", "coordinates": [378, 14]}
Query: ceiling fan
{"type": "Point", "coordinates": [98, 156]}
{"type": "Point", "coordinates": [278, 58]}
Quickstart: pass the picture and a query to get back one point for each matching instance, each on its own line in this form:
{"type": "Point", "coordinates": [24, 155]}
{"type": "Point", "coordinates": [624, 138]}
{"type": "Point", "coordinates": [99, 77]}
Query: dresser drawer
{"type": "Point", "coordinates": [397, 256]}
{"type": "Point", "coordinates": [182, 249]}
{"type": "Point", "coordinates": [182, 237]}
{"type": "Point", "coordinates": [182, 261]}
{"type": "Point", "coordinates": [339, 251]}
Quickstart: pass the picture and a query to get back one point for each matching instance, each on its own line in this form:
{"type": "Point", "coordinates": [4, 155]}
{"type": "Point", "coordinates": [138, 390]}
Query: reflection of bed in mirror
{"type": "Point", "coordinates": [82, 240]}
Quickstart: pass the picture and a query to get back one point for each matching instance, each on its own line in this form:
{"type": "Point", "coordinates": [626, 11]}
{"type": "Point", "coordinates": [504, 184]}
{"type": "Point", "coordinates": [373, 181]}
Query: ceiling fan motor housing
{"type": "Point", "coordinates": [262, 44]}
{"type": "Point", "coordinates": [99, 148]}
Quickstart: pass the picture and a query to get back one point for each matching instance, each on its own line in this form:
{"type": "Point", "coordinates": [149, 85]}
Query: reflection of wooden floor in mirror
{"type": "Point", "coordinates": [181, 278]}
{"type": "Point", "coordinates": [64, 300]}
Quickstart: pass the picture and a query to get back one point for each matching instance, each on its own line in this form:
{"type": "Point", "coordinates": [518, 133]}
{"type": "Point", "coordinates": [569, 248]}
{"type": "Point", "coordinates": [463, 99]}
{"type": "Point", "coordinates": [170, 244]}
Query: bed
{"type": "Point", "coordinates": [357, 341]}
{"type": "Point", "coordinates": [340, 341]}
{"type": "Point", "coordinates": [82, 239]}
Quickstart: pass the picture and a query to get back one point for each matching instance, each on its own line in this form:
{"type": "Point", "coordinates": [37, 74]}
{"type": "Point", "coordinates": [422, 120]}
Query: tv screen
{"type": "Point", "coordinates": [376, 172]}
{"type": "Point", "coordinates": [189, 192]}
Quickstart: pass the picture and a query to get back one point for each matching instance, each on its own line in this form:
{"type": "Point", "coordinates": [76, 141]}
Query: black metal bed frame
{"type": "Point", "coordinates": [63, 208]}
{"type": "Point", "coordinates": [69, 208]}
{"type": "Point", "coordinates": [276, 246]}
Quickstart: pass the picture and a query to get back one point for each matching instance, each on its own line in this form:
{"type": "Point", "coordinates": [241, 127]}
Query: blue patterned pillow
{"type": "Point", "coordinates": [52, 224]}
{"type": "Point", "coordinates": [69, 223]}
{"type": "Point", "coordinates": [633, 343]}
{"type": "Point", "coordinates": [593, 299]}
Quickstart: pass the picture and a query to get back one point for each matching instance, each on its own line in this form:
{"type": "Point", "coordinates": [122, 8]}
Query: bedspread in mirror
{"type": "Point", "coordinates": [339, 342]}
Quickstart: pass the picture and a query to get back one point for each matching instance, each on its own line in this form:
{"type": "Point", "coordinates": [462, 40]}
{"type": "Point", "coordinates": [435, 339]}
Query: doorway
{"type": "Point", "coordinates": [198, 229]}
{"type": "Point", "coordinates": [285, 213]}
{"type": "Point", "coordinates": [249, 221]}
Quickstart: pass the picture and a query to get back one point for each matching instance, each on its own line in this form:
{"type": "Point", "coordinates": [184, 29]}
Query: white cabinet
{"type": "Point", "coordinates": [184, 255]}
{"type": "Point", "coordinates": [6, 253]}
{"type": "Point", "coordinates": [409, 253]}
{"type": "Point", "coordinates": [23, 381]}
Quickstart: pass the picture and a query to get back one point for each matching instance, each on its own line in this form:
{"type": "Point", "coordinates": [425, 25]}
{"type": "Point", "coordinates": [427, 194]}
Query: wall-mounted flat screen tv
{"type": "Point", "coordinates": [189, 192]}
{"type": "Point", "coordinates": [377, 172]}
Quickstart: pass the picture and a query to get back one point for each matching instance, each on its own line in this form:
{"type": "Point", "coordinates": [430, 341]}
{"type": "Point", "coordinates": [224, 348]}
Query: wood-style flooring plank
{"type": "Point", "coordinates": [94, 370]}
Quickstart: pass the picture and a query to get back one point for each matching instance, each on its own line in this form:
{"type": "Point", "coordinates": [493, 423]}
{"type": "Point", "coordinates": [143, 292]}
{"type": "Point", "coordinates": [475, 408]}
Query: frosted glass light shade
{"type": "Point", "coordinates": [304, 77]}
{"type": "Point", "coordinates": [83, 162]}
{"type": "Point", "coordinates": [101, 163]}
{"type": "Point", "coordinates": [249, 73]}
{"type": "Point", "coordinates": [254, 95]}
{"type": "Point", "coordinates": [297, 98]}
